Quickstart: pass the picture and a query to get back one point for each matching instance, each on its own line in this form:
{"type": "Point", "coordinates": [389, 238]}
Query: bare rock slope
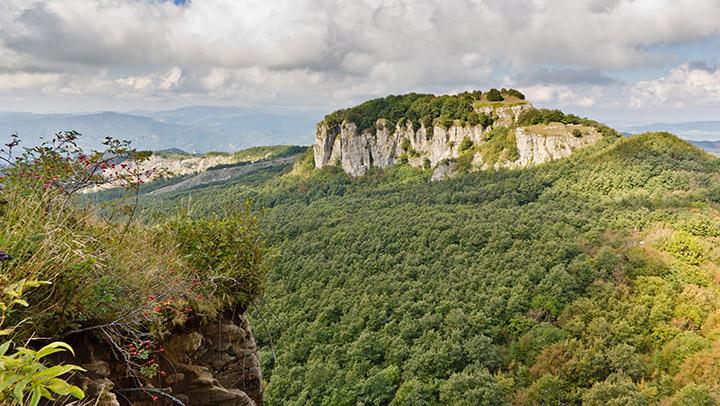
{"type": "Point", "coordinates": [384, 145]}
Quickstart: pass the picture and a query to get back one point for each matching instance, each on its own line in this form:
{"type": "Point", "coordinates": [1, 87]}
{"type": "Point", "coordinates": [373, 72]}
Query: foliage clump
{"type": "Point", "coordinates": [110, 273]}
{"type": "Point", "coordinates": [24, 378]}
{"type": "Point", "coordinates": [465, 145]}
{"type": "Point", "coordinates": [533, 116]}
{"type": "Point", "coordinates": [418, 109]}
{"type": "Point", "coordinates": [494, 95]}
{"type": "Point", "coordinates": [685, 247]}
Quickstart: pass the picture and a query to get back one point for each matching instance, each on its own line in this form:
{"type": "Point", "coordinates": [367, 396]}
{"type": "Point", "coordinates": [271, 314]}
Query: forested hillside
{"type": "Point", "coordinates": [588, 280]}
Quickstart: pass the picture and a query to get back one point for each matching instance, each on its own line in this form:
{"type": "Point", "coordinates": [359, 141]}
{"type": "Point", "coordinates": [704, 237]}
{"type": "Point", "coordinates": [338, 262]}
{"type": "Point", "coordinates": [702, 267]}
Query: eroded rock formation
{"type": "Point", "coordinates": [214, 364]}
{"type": "Point", "coordinates": [382, 146]}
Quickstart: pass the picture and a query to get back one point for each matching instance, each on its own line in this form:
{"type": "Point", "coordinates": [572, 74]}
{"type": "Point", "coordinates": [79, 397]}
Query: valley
{"type": "Point", "coordinates": [539, 258]}
{"type": "Point", "coordinates": [569, 280]}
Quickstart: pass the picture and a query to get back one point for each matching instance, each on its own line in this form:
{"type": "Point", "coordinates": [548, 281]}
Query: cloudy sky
{"type": "Point", "coordinates": [609, 59]}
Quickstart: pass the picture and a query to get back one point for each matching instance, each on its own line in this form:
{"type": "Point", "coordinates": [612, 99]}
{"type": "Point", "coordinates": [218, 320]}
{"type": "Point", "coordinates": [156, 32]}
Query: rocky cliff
{"type": "Point", "coordinates": [213, 364]}
{"type": "Point", "coordinates": [437, 147]}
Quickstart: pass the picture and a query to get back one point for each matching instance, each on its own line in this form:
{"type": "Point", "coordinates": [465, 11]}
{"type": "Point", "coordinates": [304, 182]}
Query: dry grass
{"type": "Point", "coordinates": [508, 102]}
{"type": "Point", "coordinates": [100, 273]}
{"type": "Point", "coordinates": [560, 129]}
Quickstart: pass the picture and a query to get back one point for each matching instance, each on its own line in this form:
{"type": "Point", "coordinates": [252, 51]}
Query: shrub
{"type": "Point", "coordinates": [529, 117]}
{"type": "Point", "coordinates": [426, 163]}
{"type": "Point", "coordinates": [552, 116]}
{"type": "Point", "coordinates": [484, 120]}
{"type": "Point", "coordinates": [473, 119]}
{"type": "Point", "coordinates": [465, 145]}
{"type": "Point", "coordinates": [494, 95]}
{"type": "Point", "coordinates": [224, 251]}
{"type": "Point", "coordinates": [23, 376]}
{"type": "Point", "coordinates": [515, 93]}
{"type": "Point", "coordinates": [685, 247]}
{"type": "Point", "coordinates": [576, 133]}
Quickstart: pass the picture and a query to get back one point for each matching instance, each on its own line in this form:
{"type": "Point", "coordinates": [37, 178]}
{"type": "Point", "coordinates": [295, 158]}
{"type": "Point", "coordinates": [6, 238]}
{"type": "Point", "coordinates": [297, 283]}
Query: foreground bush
{"type": "Point", "coordinates": [111, 274]}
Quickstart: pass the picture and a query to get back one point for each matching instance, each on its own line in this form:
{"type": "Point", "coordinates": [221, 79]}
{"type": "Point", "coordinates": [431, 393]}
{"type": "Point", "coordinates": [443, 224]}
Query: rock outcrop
{"type": "Point", "coordinates": [382, 146]}
{"type": "Point", "coordinates": [556, 142]}
{"type": "Point", "coordinates": [210, 365]}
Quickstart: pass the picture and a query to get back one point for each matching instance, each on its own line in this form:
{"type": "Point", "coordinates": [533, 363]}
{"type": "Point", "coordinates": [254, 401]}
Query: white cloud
{"type": "Point", "coordinates": [338, 51]}
{"type": "Point", "coordinates": [21, 80]}
{"type": "Point", "coordinates": [684, 86]}
{"type": "Point", "coordinates": [563, 96]}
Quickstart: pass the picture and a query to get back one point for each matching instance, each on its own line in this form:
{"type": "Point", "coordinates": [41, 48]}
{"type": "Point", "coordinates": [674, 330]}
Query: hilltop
{"type": "Point", "coordinates": [469, 131]}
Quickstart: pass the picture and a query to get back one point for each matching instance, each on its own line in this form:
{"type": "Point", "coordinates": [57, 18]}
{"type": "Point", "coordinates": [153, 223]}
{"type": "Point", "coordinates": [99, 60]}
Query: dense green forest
{"type": "Point", "coordinates": [588, 280]}
{"type": "Point", "coordinates": [424, 109]}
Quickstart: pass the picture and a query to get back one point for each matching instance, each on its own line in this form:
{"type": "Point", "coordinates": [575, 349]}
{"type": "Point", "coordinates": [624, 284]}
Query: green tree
{"type": "Point", "coordinates": [616, 390]}
{"type": "Point", "coordinates": [494, 95]}
{"type": "Point", "coordinates": [465, 145]}
{"type": "Point", "coordinates": [470, 389]}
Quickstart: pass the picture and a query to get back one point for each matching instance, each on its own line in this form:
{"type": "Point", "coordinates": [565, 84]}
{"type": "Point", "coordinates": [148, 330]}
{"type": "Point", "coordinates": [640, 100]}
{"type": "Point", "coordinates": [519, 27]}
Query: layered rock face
{"type": "Point", "coordinates": [535, 148]}
{"type": "Point", "coordinates": [357, 151]}
{"type": "Point", "coordinates": [211, 365]}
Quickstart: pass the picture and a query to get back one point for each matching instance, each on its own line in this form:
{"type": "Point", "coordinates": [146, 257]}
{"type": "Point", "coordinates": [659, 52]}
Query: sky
{"type": "Point", "coordinates": [616, 60]}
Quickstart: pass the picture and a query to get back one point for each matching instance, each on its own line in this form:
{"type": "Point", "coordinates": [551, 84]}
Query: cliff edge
{"type": "Point", "coordinates": [511, 135]}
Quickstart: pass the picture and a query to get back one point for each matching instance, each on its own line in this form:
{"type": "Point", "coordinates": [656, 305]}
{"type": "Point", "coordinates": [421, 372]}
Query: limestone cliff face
{"type": "Point", "coordinates": [536, 148]}
{"type": "Point", "coordinates": [505, 116]}
{"type": "Point", "coordinates": [382, 146]}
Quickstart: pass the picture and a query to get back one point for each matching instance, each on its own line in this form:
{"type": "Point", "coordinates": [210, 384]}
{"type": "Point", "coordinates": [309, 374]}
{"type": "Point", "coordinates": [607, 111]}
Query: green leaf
{"type": "Point", "coordinates": [77, 392]}
{"type": "Point", "coordinates": [52, 348]}
{"type": "Point", "coordinates": [4, 348]}
{"type": "Point", "coordinates": [45, 393]}
{"type": "Point", "coordinates": [18, 391]}
{"type": "Point", "coordinates": [35, 398]}
{"type": "Point", "coordinates": [20, 302]}
{"type": "Point", "coordinates": [55, 371]}
{"type": "Point", "coordinates": [60, 387]}
{"type": "Point", "coordinates": [24, 351]}
{"type": "Point", "coordinates": [4, 384]}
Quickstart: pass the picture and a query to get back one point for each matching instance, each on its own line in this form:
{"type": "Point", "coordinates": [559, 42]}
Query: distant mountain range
{"type": "Point", "coordinates": [712, 147]}
{"type": "Point", "coordinates": [196, 129]}
{"type": "Point", "coordinates": [702, 134]}
{"type": "Point", "coordinates": [692, 130]}
{"type": "Point", "coordinates": [199, 129]}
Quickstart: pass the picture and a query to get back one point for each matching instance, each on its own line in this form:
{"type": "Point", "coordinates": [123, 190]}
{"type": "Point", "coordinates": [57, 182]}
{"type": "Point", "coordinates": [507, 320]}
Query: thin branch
{"type": "Point", "coordinates": [272, 347]}
{"type": "Point", "coordinates": [272, 313]}
{"type": "Point", "coordinates": [150, 390]}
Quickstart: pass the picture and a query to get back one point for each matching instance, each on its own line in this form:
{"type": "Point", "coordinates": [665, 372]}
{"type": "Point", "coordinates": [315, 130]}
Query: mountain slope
{"type": "Point", "coordinates": [582, 281]}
